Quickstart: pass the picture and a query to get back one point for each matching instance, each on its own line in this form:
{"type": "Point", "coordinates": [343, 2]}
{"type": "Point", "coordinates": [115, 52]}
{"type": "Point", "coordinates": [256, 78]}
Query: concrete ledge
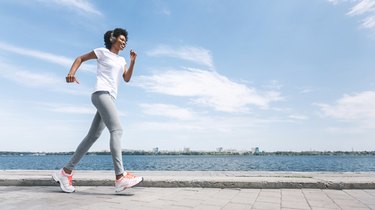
{"type": "Point", "coordinates": [203, 179]}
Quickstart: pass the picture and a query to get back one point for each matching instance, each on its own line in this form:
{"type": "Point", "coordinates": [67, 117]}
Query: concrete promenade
{"type": "Point", "coordinates": [204, 179]}
{"type": "Point", "coordinates": [192, 190]}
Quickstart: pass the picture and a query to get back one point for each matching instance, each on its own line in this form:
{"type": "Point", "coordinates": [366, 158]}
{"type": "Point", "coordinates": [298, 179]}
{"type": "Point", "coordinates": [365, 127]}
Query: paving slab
{"type": "Point", "coordinates": [147, 198]}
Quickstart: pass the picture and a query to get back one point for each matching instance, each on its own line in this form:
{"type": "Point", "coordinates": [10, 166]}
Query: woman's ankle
{"type": "Point", "coordinates": [67, 171]}
{"type": "Point", "coordinates": [118, 177]}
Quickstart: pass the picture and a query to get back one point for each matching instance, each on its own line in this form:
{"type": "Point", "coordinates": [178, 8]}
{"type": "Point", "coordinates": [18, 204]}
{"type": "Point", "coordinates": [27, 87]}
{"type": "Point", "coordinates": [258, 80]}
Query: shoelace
{"type": "Point", "coordinates": [129, 175]}
{"type": "Point", "coordinates": [70, 178]}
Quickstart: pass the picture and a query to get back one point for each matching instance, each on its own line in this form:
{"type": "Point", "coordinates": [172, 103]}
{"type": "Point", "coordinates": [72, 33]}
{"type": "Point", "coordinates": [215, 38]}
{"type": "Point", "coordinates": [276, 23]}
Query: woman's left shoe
{"type": "Point", "coordinates": [65, 180]}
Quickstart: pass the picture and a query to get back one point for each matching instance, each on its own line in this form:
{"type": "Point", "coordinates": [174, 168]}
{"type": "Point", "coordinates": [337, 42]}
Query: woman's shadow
{"type": "Point", "coordinates": [95, 192]}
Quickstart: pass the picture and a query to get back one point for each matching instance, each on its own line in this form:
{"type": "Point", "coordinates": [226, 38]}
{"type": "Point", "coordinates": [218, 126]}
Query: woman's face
{"type": "Point", "coordinates": [120, 42]}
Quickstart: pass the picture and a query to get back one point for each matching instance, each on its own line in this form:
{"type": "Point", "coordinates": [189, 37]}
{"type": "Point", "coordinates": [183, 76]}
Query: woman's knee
{"type": "Point", "coordinates": [116, 131]}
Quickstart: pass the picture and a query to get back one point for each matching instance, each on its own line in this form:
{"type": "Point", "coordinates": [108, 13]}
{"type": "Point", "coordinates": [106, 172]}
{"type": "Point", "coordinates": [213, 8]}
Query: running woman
{"type": "Point", "coordinates": [110, 68]}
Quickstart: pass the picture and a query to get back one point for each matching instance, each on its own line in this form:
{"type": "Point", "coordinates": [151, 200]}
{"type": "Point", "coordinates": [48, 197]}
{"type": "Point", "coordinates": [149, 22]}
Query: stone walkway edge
{"type": "Point", "coordinates": [203, 179]}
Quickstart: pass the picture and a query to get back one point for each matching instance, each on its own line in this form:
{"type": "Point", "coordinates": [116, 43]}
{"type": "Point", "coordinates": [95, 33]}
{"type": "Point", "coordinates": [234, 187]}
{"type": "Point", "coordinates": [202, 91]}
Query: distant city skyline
{"type": "Point", "coordinates": [293, 75]}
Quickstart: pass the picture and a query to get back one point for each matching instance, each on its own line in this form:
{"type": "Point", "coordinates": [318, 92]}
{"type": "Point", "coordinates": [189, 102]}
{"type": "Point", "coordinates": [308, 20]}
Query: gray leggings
{"type": "Point", "coordinates": [106, 116]}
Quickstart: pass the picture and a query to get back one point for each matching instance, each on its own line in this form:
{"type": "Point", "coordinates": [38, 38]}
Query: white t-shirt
{"type": "Point", "coordinates": [110, 68]}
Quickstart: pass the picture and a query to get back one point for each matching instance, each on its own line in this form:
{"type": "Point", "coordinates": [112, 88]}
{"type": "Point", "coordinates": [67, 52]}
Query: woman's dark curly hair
{"type": "Point", "coordinates": [116, 33]}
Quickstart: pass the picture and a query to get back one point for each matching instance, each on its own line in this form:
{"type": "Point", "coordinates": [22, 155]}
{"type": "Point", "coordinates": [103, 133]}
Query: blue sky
{"type": "Point", "coordinates": [280, 75]}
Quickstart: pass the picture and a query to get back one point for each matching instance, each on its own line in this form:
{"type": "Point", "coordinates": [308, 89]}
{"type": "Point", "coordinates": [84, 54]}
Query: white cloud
{"type": "Point", "coordinates": [334, 1]}
{"type": "Point", "coordinates": [358, 109]}
{"type": "Point", "coordinates": [161, 8]}
{"type": "Point", "coordinates": [207, 88]}
{"type": "Point", "coordinates": [31, 79]}
{"type": "Point", "coordinates": [165, 126]}
{"type": "Point", "coordinates": [23, 122]}
{"type": "Point", "coordinates": [168, 110]}
{"type": "Point", "coordinates": [298, 117]}
{"type": "Point", "coordinates": [49, 57]}
{"type": "Point", "coordinates": [361, 8]}
{"type": "Point", "coordinates": [166, 12]}
{"type": "Point", "coordinates": [83, 6]}
{"type": "Point", "coordinates": [345, 130]}
{"type": "Point", "coordinates": [195, 54]}
{"type": "Point", "coordinates": [364, 6]}
{"type": "Point", "coordinates": [47, 81]}
{"type": "Point", "coordinates": [208, 124]}
{"type": "Point", "coordinates": [306, 89]}
{"type": "Point", "coordinates": [71, 109]}
{"type": "Point", "coordinates": [369, 22]}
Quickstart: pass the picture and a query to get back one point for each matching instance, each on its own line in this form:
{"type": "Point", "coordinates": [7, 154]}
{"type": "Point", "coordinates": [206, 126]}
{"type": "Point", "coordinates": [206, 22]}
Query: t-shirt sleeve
{"type": "Point", "coordinates": [99, 52]}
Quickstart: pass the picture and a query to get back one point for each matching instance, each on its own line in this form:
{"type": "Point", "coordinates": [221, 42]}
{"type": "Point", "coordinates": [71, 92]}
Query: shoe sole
{"type": "Point", "coordinates": [127, 187]}
{"type": "Point", "coordinates": [58, 181]}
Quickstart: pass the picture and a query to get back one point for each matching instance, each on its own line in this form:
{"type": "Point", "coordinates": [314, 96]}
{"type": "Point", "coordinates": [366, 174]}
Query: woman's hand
{"type": "Point", "coordinates": [71, 78]}
{"type": "Point", "coordinates": [128, 72]}
{"type": "Point", "coordinates": [77, 63]}
{"type": "Point", "coordinates": [133, 56]}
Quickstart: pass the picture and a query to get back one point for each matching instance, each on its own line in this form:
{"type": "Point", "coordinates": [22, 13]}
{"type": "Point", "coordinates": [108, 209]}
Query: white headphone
{"type": "Point", "coordinates": [112, 39]}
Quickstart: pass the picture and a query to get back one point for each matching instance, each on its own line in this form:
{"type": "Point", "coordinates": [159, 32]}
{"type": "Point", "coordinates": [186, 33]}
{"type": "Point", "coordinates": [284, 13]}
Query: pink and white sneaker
{"type": "Point", "coordinates": [127, 181]}
{"type": "Point", "coordinates": [65, 180]}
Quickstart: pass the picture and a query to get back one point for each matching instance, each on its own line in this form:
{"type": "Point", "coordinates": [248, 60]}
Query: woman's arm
{"type": "Point", "coordinates": [128, 72]}
{"type": "Point", "coordinates": [77, 63]}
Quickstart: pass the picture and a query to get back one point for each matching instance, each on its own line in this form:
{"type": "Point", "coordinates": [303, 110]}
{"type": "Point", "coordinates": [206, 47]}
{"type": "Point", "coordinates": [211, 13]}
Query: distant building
{"type": "Point", "coordinates": [155, 150]}
{"type": "Point", "coordinates": [255, 150]}
{"type": "Point", "coordinates": [219, 149]}
{"type": "Point", "coordinates": [186, 149]}
{"type": "Point", "coordinates": [231, 151]}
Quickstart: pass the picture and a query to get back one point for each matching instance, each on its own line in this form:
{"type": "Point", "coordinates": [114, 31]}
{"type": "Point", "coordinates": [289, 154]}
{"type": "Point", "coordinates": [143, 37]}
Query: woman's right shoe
{"type": "Point", "coordinates": [127, 181]}
{"type": "Point", "coordinates": [65, 180]}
